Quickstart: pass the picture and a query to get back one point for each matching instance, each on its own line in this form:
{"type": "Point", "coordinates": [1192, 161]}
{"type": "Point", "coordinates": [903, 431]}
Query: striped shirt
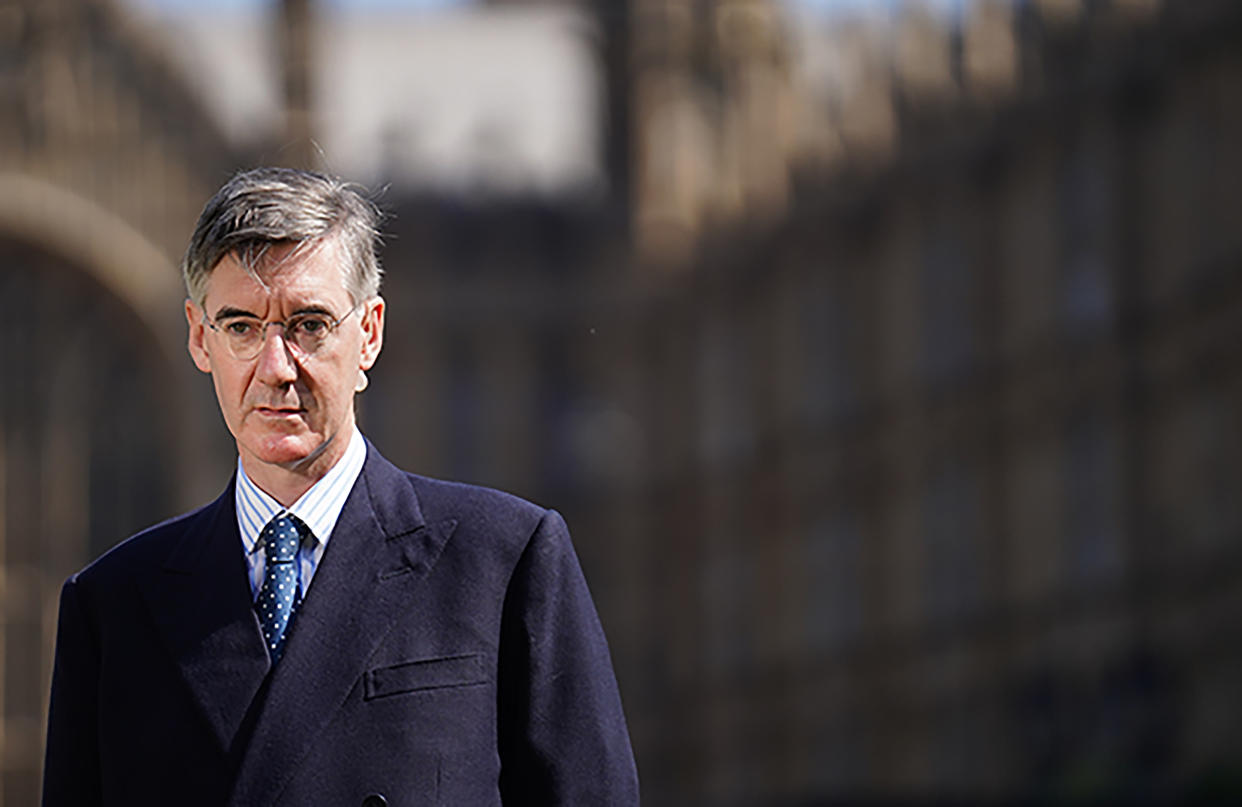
{"type": "Point", "coordinates": [318, 508]}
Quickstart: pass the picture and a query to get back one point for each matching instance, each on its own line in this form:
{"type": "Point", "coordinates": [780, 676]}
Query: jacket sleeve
{"type": "Point", "coordinates": [562, 733]}
{"type": "Point", "coordinates": [71, 767]}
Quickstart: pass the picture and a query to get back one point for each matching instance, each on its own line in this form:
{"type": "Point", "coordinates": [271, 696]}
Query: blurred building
{"type": "Point", "coordinates": [938, 495]}
{"type": "Point", "coordinates": [495, 101]}
{"type": "Point", "coordinates": [104, 162]}
{"type": "Point", "coordinates": [886, 368]}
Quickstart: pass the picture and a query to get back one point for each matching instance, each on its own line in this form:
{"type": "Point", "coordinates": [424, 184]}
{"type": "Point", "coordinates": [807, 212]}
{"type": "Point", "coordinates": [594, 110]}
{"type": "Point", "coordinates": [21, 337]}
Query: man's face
{"type": "Point", "coordinates": [284, 407]}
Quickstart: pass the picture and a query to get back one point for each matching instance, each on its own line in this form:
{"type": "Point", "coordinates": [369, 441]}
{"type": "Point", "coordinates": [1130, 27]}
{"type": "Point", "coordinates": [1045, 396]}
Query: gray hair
{"type": "Point", "coordinates": [262, 207]}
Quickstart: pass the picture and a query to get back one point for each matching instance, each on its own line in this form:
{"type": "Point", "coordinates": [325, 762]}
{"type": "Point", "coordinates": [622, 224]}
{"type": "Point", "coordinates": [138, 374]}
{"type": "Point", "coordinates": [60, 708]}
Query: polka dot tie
{"type": "Point", "coordinates": [279, 596]}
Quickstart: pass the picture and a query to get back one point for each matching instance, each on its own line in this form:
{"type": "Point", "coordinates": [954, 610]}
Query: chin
{"type": "Point", "coordinates": [285, 449]}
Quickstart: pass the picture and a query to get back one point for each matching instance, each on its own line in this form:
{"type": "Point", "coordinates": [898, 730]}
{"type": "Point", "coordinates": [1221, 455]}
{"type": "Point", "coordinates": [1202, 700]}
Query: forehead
{"type": "Point", "coordinates": [284, 273]}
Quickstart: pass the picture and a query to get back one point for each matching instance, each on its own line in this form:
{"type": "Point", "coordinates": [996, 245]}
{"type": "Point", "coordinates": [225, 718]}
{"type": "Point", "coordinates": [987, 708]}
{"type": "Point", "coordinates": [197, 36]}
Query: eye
{"type": "Point", "coordinates": [310, 325]}
{"type": "Point", "coordinates": [239, 327]}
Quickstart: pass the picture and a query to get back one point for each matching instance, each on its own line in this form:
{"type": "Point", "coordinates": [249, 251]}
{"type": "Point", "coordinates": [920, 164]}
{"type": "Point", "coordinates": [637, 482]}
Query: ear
{"type": "Point", "coordinates": [195, 344]}
{"type": "Point", "coordinates": [372, 332]}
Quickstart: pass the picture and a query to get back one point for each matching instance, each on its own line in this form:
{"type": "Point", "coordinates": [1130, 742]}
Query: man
{"type": "Point", "coordinates": [330, 630]}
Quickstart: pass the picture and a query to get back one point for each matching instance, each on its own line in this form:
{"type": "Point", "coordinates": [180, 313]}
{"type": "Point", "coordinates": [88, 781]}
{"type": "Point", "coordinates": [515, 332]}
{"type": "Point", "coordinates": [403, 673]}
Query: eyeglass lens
{"type": "Point", "coordinates": [306, 333]}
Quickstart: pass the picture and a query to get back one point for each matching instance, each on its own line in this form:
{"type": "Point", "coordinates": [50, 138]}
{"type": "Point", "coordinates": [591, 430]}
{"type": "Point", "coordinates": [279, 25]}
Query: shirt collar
{"type": "Point", "coordinates": [318, 508]}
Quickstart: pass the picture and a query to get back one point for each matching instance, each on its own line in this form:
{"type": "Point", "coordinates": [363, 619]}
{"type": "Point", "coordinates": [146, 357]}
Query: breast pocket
{"type": "Point", "coordinates": [425, 674]}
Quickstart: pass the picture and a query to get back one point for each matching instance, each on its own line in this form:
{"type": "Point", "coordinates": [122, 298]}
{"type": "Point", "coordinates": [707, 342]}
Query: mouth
{"type": "Point", "coordinates": [279, 411]}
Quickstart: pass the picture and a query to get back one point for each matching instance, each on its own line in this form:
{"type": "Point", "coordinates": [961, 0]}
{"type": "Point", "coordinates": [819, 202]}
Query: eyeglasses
{"type": "Point", "coordinates": [304, 333]}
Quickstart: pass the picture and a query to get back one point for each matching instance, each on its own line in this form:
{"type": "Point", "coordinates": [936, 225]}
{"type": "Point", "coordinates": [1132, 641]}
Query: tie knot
{"type": "Point", "coordinates": [281, 537]}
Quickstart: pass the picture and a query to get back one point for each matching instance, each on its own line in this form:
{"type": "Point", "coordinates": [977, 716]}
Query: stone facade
{"type": "Point", "coordinates": [898, 439]}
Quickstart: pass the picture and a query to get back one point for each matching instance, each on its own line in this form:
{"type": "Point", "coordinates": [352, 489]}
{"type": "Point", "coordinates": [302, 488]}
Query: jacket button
{"type": "Point", "coordinates": [375, 800]}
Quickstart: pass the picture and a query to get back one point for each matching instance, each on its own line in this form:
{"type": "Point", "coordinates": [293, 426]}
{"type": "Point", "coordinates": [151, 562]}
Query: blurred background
{"type": "Point", "coordinates": [882, 356]}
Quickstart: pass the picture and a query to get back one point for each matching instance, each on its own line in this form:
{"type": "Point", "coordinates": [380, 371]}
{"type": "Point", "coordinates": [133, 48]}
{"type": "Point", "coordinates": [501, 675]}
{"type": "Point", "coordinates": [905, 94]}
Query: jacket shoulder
{"type": "Point", "coordinates": [472, 505]}
{"type": "Point", "coordinates": [143, 550]}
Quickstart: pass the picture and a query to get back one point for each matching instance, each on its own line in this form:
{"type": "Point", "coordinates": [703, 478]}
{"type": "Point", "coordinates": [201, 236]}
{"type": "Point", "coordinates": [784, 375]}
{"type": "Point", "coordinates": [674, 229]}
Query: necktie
{"type": "Point", "coordinates": [278, 597]}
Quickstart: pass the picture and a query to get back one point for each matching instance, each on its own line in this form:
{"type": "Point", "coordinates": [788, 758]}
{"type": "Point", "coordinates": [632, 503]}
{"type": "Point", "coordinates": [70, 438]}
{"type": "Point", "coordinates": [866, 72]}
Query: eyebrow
{"type": "Point", "coordinates": [313, 309]}
{"type": "Point", "coordinates": [229, 312]}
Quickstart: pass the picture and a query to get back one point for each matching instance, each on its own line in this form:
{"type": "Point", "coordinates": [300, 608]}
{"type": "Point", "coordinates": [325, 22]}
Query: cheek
{"type": "Point", "coordinates": [334, 379]}
{"type": "Point", "coordinates": [230, 388]}
{"type": "Point", "coordinates": [334, 392]}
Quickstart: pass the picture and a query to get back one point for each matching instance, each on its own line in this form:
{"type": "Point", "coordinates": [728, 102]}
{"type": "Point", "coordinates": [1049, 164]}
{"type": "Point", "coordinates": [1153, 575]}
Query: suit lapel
{"type": "Point", "coordinates": [201, 606]}
{"type": "Point", "coordinates": [379, 552]}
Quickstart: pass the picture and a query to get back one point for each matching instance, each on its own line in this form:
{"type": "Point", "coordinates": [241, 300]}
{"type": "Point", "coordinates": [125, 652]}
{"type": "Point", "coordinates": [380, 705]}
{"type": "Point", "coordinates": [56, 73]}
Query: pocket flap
{"type": "Point", "coordinates": [432, 673]}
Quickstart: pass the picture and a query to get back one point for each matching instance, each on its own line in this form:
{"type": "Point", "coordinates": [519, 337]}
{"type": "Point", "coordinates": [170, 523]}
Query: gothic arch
{"type": "Point", "coordinates": [85, 235]}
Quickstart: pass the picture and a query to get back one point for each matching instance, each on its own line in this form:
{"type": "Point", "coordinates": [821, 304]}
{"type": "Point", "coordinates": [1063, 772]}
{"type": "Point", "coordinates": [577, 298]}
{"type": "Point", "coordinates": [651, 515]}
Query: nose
{"type": "Point", "coordinates": [275, 364]}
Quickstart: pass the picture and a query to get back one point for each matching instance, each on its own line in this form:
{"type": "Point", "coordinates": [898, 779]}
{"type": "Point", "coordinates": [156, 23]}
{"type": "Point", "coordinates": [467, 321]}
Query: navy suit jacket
{"type": "Point", "coordinates": [446, 653]}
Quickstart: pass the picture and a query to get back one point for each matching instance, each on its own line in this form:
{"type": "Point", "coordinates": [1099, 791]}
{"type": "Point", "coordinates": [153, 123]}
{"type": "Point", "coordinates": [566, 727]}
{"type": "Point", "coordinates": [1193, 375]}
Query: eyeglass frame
{"type": "Point", "coordinates": [291, 344]}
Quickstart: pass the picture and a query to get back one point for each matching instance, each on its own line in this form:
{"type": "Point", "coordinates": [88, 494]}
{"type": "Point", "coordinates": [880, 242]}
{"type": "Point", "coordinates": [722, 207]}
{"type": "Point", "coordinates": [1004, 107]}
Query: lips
{"type": "Point", "coordinates": [278, 412]}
